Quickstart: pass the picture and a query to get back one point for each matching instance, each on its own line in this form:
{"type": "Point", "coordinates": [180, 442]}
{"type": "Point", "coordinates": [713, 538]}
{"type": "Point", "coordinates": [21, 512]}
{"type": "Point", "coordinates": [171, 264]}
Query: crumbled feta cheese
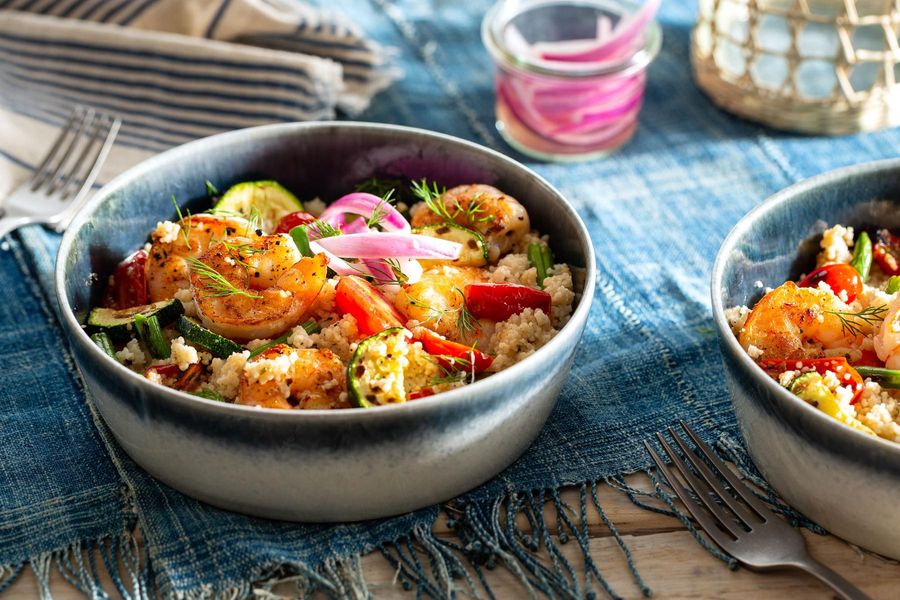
{"type": "Point", "coordinates": [183, 355]}
{"type": "Point", "coordinates": [166, 232]}
{"type": "Point", "coordinates": [754, 352]}
{"type": "Point", "coordinates": [132, 353]}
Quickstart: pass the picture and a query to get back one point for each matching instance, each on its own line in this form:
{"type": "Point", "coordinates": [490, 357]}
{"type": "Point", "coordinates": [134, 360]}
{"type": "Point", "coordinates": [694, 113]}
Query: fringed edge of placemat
{"type": "Point", "coordinates": [122, 557]}
{"type": "Point", "coordinates": [489, 534]}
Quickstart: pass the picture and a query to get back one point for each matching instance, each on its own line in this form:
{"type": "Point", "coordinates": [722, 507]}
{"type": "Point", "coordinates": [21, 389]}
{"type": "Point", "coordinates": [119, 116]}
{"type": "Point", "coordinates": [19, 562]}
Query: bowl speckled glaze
{"type": "Point", "coordinates": [844, 480]}
{"type": "Point", "coordinates": [316, 465]}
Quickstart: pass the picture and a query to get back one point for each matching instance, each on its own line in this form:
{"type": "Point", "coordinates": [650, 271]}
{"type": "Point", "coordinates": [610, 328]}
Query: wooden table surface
{"type": "Point", "coordinates": [672, 563]}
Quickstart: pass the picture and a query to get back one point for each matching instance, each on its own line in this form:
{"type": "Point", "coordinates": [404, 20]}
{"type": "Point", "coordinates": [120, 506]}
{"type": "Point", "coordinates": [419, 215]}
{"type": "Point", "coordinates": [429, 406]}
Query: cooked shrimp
{"type": "Point", "coordinates": [286, 377]}
{"type": "Point", "coordinates": [484, 208]}
{"type": "Point", "coordinates": [248, 288]}
{"type": "Point", "coordinates": [167, 265]}
{"type": "Point", "coordinates": [793, 322]}
{"type": "Point", "coordinates": [887, 339]}
{"type": "Point", "coordinates": [437, 299]}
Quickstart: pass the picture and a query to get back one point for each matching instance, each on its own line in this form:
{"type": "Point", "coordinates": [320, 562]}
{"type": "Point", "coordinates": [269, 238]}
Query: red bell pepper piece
{"type": "Point", "coordinates": [500, 301]}
{"type": "Point", "coordinates": [438, 346]}
{"type": "Point", "coordinates": [172, 376]}
{"type": "Point", "coordinates": [129, 284]}
{"type": "Point", "coordinates": [372, 311]}
{"type": "Point", "coordinates": [420, 393]}
{"type": "Point", "coordinates": [839, 277]}
{"type": "Point", "coordinates": [294, 219]}
{"type": "Point", "coordinates": [838, 365]}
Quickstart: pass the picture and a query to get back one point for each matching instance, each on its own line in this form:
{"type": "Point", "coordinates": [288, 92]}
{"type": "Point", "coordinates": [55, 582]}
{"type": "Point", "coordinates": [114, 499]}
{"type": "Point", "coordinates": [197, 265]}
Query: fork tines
{"type": "Point", "coordinates": [75, 153]}
{"type": "Point", "coordinates": [734, 509]}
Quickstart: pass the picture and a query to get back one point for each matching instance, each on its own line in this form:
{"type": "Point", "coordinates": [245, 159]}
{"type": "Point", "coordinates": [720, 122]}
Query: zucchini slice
{"type": "Point", "coordinates": [474, 251]}
{"type": "Point", "coordinates": [387, 367]}
{"type": "Point", "coordinates": [119, 324]}
{"type": "Point", "coordinates": [269, 198]}
{"type": "Point", "coordinates": [194, 332]}
{"type": "Point", "coordinates": [375, 371]}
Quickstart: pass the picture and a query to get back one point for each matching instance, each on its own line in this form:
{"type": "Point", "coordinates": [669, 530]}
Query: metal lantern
{"type": "Point", "coordinates": [815, 66]}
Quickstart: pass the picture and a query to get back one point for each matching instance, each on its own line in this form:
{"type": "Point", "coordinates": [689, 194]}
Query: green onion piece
{"type": "Point", "coordinates": [211, 190]}
{"type": "Point", "coordinates": [280, 340]}
{"type": "Point", "coordinates": [209, 395]}
{"type": "Point", "coordinates": [103, 340]}
{"type": "Point", "coordinates": [301, 239]}
{"type": "Point", "coordinates": [151, 334]}
{"type": "Point", "coordinates": [862, 256]}
{"type": "Point", "coordinates": [311, 327]}
{"type": "Point", "coordinates": [887, 378]}
{"type": "Point", "coordinates": [893, 285]}
{"type": "Point", "coordinates": [540, 257]}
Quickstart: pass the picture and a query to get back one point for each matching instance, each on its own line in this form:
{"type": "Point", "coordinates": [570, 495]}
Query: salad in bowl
{"type": "Point", "coordinates": [392, 292]}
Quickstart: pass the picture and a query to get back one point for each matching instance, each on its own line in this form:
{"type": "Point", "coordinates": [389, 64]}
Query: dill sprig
{"type": "Point", "coordinates": [852, 323]}
{"type": "Point", "coordinates": [185, 227]}
{"type": "Point", "coordinates": [466, 322]}
{"type": "Point", "coordinates": [379, 212]}
{"type": "Point", "coordinates": [243, 249]}
{"type": "Point", "coordinates": [433, 198]}
{"type": "Point", "coordinates": [320, 229]}
{"type": "Point", "coordinates": [217, 285]}
{"type": "Point", "coordinates": [453, 369]}
{"type": "Point", "coordinates": [398, 276]}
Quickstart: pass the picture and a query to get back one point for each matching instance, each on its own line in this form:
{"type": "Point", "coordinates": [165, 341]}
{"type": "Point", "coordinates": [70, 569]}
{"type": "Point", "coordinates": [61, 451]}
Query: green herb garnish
{"type": "Point", "coordinates": [853, 322]}
{"type": "Point", "coordinates": [379, 186]}
{"type": "Point", "coordinates": [185, 227]}
{"type": "Point", "coordinates": [211, 190]}
{"type": "Point", "coordinates": [217, 285]}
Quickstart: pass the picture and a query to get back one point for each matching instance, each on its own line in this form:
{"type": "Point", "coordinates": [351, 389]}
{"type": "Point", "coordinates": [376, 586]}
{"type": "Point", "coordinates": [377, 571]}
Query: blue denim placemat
{"type": "Point", "coordinates": [657, 212]}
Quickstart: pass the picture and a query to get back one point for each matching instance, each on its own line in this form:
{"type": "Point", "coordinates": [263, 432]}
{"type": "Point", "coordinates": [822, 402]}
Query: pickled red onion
{"type": "Point", "coordinates": [365, 205]}
{"type": "Point", "coordinates": [391, 245]}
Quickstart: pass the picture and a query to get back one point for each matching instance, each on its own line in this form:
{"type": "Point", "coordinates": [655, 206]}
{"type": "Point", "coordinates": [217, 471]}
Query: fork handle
{"type": "Point", "coordinates": [841, 586]}
{"type": "Point", "coordinates": [8, 224]}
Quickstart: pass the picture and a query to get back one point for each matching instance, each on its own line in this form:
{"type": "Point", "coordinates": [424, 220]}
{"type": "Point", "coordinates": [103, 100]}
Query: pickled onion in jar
{"type": "Point", "coordinates": [570, 76]}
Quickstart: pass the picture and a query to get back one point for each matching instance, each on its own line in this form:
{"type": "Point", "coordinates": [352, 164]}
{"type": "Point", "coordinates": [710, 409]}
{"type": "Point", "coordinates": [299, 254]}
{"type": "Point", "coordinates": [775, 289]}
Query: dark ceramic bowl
{"type": "Point", "coordinates": [316, 465]}
{"type": "Point", "coordinates": [845, 480]}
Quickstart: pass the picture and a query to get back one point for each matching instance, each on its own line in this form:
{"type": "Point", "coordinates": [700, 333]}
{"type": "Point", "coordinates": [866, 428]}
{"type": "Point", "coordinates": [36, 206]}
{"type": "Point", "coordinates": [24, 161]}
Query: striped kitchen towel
{"type": "Point", "coordinates": [173, 70]}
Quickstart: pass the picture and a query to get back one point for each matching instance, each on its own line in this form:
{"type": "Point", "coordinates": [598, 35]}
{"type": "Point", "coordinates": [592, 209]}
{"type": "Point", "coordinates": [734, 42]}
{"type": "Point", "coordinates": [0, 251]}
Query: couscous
{"type": "Point", "coordinates": [833, 338]}
{"type": "Point", "coordinates": [263, 300]}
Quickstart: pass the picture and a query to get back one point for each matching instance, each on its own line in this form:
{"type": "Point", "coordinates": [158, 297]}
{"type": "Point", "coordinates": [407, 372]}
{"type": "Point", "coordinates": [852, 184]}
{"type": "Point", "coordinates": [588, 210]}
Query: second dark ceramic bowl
{"type": "Point", "coordinates": [316, 465]}
{"type": "Point", "coordinates": [844, 480]}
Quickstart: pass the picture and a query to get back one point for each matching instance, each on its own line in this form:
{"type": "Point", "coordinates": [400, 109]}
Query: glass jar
{"type": "Point", "coordinates": [565, 110]}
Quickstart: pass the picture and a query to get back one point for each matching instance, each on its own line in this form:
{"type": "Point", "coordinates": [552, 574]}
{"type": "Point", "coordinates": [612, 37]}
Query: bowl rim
{"type": "Point", "coordinates": [465, 394]}
{"type": "Point", "coordinates": [844, 433]}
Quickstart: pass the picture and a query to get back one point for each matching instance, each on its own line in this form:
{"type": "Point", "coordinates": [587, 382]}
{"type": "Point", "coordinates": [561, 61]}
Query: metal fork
{"type": "Point", "coordinates": [62, 181]}
{"type": "Point", "coordinates": [747, 530]}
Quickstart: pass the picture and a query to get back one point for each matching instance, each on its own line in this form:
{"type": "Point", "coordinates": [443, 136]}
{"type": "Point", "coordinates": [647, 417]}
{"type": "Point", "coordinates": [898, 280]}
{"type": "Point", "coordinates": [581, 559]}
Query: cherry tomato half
{"type": "Point", "coordinates": [886, 251]}
{"type": "Point", "coordinates": [500, 301]}
{"type": "Point", "coordinates": [129, 284]}
{"type": "Point", "coordinates": [372, 311]}
{"type": "Point", "coordinates": [294, 219]}
{"type": "Point", "coordinates": [839, 277]}
{"type": "Point", "coordinates": [838, 365]}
